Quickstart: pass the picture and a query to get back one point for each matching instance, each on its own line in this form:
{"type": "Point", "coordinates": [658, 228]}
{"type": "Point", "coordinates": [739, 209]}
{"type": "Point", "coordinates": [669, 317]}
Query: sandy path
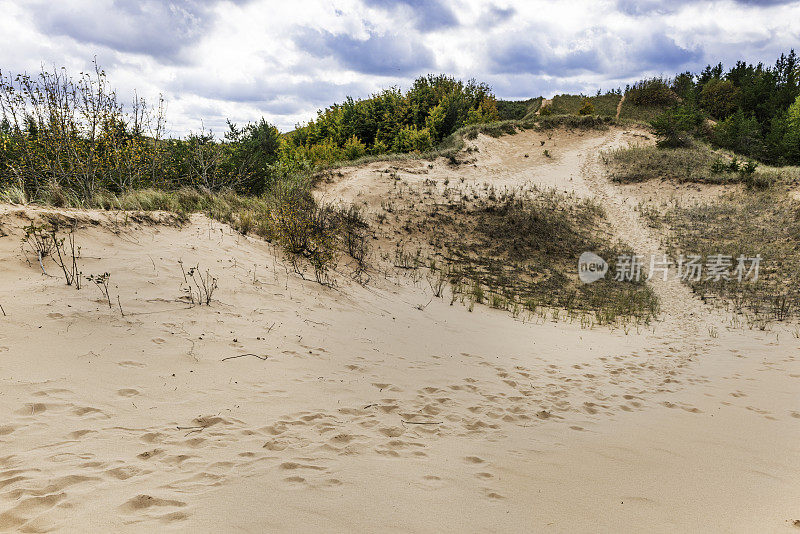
{"type": "Point", "coordinates": [545, 102]}
{"type": "Point", "coordinates": [368, 413]}
{"type": "Point", "coordinates": [619, 106]}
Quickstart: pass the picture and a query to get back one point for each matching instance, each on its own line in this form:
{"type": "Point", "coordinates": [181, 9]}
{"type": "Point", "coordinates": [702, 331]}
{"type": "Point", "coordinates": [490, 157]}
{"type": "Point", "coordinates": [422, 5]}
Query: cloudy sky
{"type": "Point", "coordinates": [283, 60]}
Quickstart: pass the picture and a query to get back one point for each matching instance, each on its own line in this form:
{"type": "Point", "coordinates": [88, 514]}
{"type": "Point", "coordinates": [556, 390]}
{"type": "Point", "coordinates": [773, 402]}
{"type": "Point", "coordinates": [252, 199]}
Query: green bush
{"type": "Point", "coordinates": [409, 138]}
{"type": "Point", "coordinates": [719, 97]}
{"type": "Point", "coordinates": [354, 148]}
{"type": "Point", "coordinates": [586, 109]}
{"type": "Point", "coordinates": [741, 134]}
{"type": "Point", "coordinates": [250, 153]}
{"type": "Point", "coordinates": [675, 126]}
{"type": "Point", "coordinates": [652, 92]}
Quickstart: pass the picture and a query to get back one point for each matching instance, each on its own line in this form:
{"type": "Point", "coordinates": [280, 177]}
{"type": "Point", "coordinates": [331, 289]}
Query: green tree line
{"type": "Point", "coordinates": [751, 109]}
{"type": "Point", "coordinates": [74, 135]}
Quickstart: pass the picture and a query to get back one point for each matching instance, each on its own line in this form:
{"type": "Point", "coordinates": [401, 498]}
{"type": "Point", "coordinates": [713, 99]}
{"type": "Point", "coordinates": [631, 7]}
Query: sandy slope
{"type": "Point", "coordinates": [371, 414]}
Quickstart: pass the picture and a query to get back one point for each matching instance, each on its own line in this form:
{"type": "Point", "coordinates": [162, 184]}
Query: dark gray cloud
{"type": "Point", "coordinates": [428, 15]}
{"type": "Point", "coordinates": [519, 57]}
{"type": "Point", "coordinates": [151, 27]}
{"type": "Point", "coordinates": [496, 15]}
{"type": "Point", "coordinates": [661, 52]}
{"type": "Point", "coordinates": [606, 54]}
{"type": "Point", "coordinates": [385, 55]}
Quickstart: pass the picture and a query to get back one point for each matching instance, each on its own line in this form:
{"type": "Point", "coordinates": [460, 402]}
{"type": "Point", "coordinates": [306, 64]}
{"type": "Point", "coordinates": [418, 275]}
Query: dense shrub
{"type": "Point", "coordinates": [250, 154]}
{"type": "Point", "coordinates": [651, 92]}
{"type": "Point", "coordinates": [719, 97]}
{"type": "Point", "coordinates": [586, 109]}
{"type": "Point", "coordinates": [675, 126]}
{"type": "Point", "coordinates": [740, 133]}
{"type": "Point", "coordinates": [409, 138]}
{"type": "Point", "coordinates": [516, 109]}
{"type": "Point", "coordinates": [430, 111]}
{"type": "Point", "coordinates": [354, 148]}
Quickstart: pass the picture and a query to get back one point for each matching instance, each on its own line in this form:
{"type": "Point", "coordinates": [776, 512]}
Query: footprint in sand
{"type": "Point", "coordinates": [129, 363]}
{"type": "Point", "coordinates": [142, 502]}
{"type": "Point", "coordinates": [87, 410]}
{"type": "Point", "coordinates": [295, 465]}
{"type": "Point", "coordinates": [35, 408]}
{"type": "Point", "coordinates": [80, 433]}
{"type": "Point", "coordinates": [146, 455]}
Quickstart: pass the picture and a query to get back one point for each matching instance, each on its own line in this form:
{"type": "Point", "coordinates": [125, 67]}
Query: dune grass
{"type": "Point", "coordinates": [639, 114]}
{"type": "Point", "coordinates": [744, 223]}
{"type": "Point", "coordinates": [518, 250]}
{"type": "Point", "coordinates": [697, 164]}
{"type": "Point", "coordinates": [604, 105]}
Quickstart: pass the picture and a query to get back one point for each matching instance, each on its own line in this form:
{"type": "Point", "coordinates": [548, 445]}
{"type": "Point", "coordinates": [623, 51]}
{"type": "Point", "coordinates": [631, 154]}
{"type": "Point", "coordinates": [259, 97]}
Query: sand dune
{"type": "Point", "coordinates": [288, 406]}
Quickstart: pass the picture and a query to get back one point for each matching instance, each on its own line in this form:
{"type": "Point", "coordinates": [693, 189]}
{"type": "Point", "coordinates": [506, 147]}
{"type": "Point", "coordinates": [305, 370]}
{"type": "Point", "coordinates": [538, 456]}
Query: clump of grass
{"type": "Point", "coordinates": [355, 234]}
{"type": "Point", "coordinates": [199, 287]}
{"type": "Point", "coordinates": [13, 195]}
{"type": "Point", "coordinates": [39, 241]}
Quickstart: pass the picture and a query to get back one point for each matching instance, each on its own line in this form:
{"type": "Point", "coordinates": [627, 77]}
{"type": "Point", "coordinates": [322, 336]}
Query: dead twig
{"type": "Point", "coordinates": [243, 355]}
{"type": "Point", "coordinates": [191, 429]}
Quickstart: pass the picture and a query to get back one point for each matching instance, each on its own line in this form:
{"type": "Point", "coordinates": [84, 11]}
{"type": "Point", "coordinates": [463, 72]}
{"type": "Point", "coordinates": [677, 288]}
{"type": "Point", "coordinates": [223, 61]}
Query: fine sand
{"type": "Point", "coordinates": [289, 406]}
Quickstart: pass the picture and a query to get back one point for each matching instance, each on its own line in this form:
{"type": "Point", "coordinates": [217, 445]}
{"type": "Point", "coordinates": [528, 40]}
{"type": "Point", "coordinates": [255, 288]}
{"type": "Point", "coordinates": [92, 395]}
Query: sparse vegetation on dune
{"type": "Point", "coordinates": [744, 223]}
{"type": "Point", "coordinates": [697, 164]}
{"type": "Point", "coordinates": [522, 248]}
{"type": "Point", "coordinates": [517, 250]}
